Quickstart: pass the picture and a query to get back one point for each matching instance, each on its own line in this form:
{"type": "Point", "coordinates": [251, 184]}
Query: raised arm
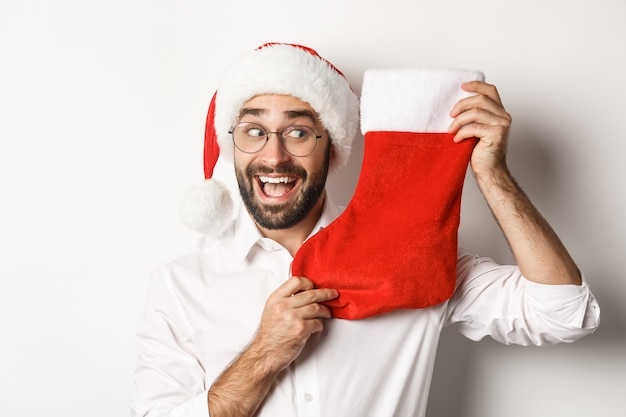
{"type": "Point", "coordinates": [537, 249]}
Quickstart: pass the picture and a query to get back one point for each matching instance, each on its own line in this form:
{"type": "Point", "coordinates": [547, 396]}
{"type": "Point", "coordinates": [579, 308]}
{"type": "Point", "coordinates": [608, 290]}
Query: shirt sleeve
{"type": "Point", "coordinates": [497, 301]}
{"type": "Point", "coordinates": [168, 378]}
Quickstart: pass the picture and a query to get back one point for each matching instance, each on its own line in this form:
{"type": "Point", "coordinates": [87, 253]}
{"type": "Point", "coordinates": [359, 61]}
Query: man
{"type": "Point", "coordinates": [228, 332]}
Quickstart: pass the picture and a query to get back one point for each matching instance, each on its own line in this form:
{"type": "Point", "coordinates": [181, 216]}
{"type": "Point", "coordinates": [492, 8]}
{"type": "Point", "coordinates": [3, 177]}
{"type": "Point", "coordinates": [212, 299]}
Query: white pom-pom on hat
{"type": "Point", "coordinates": [210, 196]}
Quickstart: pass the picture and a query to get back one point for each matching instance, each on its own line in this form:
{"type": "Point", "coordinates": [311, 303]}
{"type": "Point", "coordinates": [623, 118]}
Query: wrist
{"type": "Point", "coordinates": [261, 361]}
{"type": "Point", "coordinates": [496, 177]}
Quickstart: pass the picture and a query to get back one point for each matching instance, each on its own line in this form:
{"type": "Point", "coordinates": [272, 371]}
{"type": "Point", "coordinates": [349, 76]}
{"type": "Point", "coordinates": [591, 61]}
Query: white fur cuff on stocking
{"type": "Point", "coordinates": [412, 100]}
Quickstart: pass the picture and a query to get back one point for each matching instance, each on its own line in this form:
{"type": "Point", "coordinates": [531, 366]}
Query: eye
{"type": "Point", "coordinates": [255, 132]}
{"type": "Point", "coordinates": [298, 132]}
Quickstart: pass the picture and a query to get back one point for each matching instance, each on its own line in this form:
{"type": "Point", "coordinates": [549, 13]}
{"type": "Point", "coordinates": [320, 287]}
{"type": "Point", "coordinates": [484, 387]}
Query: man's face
{"type": "Point", "coordinates": [279, 189]}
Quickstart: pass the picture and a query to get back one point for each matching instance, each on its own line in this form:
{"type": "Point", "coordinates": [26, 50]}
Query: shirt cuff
{"type": "Point", "coordinates": [571, 305]}
{"type": "Point", "coordinates": [198, 406]}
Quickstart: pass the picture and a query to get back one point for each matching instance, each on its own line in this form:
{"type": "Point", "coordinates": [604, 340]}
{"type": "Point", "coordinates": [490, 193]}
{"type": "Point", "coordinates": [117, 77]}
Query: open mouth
{"type": "Point", "coordinates": [276, 186]}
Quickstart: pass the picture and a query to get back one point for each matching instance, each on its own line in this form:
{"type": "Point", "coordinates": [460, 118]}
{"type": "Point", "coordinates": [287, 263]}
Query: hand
{"type": "Point", "coordinates": [482, 116]}
{"type": "Point", "coordinates": [291, 315]}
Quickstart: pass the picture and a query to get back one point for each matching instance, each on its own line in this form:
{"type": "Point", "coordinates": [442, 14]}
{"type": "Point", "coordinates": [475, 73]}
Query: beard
{"type": "Point", "coordinates": [283, 216]}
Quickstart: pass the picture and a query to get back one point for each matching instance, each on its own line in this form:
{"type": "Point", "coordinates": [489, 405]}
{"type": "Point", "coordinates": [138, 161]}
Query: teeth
{"type": "Point", "coordinates": [278, 180]}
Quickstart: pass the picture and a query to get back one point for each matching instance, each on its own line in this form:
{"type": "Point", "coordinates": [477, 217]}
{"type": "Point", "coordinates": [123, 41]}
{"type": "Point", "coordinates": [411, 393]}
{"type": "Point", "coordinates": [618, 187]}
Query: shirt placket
{"type": "Point", "coordinates": [307, 382]}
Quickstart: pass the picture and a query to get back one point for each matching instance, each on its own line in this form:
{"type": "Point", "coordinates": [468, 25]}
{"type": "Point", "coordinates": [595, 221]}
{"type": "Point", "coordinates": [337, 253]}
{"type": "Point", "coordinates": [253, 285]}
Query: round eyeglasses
{"type": "Point", "coordinates": [296, 140]}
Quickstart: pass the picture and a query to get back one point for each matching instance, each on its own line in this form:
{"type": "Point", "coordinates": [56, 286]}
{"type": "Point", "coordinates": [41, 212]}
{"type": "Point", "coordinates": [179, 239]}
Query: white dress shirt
{"type": "Point", "coordinates": [204, 305]}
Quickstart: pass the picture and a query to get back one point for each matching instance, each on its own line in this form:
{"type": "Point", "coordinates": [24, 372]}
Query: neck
{"type": "Point", "coordinates": [292, 238]}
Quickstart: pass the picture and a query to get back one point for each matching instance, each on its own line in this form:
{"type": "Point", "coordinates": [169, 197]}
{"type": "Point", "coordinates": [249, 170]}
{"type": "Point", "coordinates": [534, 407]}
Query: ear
{"type": "Point", "coordinates": [332, 153]}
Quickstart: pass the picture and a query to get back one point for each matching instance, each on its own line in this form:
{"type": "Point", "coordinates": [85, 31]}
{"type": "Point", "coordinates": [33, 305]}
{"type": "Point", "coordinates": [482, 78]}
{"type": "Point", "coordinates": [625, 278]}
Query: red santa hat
{"type": "Point", "coordinates": [273, 68]}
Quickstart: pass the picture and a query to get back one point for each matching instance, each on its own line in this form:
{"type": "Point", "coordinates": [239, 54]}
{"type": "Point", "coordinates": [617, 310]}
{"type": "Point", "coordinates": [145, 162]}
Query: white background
{"type": "Point", "coordinates": [102, 110]}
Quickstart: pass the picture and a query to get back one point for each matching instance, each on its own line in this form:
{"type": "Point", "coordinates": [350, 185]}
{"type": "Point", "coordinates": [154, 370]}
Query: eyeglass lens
{"type": "Point", "coordinates": [297, 140]}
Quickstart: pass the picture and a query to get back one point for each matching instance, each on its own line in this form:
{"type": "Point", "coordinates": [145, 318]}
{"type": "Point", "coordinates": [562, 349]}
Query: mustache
{"type": "Point", "coordinates": [287, 169]}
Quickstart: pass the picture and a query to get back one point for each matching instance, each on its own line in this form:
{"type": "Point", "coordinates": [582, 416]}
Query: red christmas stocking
{"type": "Point", "coordinates": [395, 245]}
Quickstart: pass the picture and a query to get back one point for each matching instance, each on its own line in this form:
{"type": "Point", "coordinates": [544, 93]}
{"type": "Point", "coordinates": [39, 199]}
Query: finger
{"type": "Point", "coordinates": [482, 88]}
{"type": "Point", "coordinates": [477, 101]}
{"type": "Point", "coordinates": [314, 296]}
{"type": "Point", "coordinates": [315, 311]}
{"type": "Point", "coordinates": [314, 326]}
{"type": "Point", "coordinates": [478, 116]}
{"type": "Point", "coordinates": [294, 285]}
{"type": "Point", "coordinates": [486, 133]}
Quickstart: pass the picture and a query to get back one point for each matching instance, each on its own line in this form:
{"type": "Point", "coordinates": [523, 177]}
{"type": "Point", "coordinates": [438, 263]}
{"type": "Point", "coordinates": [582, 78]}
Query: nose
{"type": "Point", "coordinates": [273, 153]}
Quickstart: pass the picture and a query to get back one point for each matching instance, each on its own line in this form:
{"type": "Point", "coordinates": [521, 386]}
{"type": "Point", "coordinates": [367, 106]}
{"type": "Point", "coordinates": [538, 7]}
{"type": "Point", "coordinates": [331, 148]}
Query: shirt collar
{"type": "Point", "coordinates": [247, 235]}
{"type": "Point", "coordinates": [329, 213]}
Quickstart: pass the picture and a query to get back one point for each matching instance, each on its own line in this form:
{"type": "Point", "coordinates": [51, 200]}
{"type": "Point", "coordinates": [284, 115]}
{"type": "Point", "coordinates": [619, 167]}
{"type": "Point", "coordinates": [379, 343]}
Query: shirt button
{"type": "Point", "coordinates": [308, 397]}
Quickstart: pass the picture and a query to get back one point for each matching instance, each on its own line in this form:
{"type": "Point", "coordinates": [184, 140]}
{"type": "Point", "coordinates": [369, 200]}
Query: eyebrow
{"type": "Point", "coordinates": [290, 114]}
